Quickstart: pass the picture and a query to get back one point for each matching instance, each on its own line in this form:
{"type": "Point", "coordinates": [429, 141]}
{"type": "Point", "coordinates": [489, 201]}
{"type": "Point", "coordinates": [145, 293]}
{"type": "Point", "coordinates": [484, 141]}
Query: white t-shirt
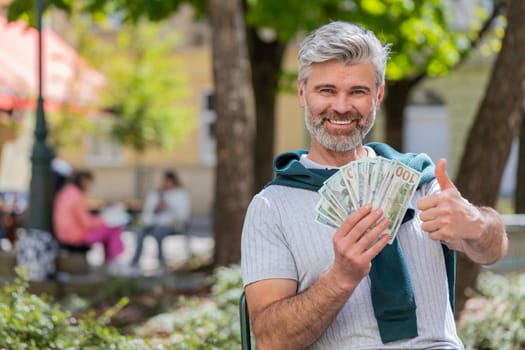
{"type": "Point", "coordinates": [177, 213]}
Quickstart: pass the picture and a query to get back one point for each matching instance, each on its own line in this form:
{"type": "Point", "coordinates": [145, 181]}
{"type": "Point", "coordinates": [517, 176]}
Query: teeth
{"type": "Point", "coordinates": [341, 122]}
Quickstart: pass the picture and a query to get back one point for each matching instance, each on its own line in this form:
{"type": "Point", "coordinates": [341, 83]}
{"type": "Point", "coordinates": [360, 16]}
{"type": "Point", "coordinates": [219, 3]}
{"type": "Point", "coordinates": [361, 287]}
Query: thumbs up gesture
{"type": "Point", "coordinates": [441, 176]}
{"type": "Point", "coordinates": [446, 215]}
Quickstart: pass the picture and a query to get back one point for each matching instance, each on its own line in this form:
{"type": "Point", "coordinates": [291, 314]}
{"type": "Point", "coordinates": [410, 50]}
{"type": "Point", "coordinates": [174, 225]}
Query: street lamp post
{"type": "Point", "coordinates": [42, 179]}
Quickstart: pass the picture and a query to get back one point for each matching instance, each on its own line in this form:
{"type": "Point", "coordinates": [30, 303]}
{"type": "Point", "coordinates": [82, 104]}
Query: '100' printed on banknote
{"type": "Point", "coordinates": [383, 183]}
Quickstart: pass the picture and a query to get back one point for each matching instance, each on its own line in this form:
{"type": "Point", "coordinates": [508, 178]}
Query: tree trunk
{"type": "Point", "coordinates": [395, 102]}
{"type": "Point", "coordinates": [519, 199]}
{"type": "Point", "coordinates": [490, 138]}
{"type": "Point", "coordinates": [234, 181]}
{"type": "Point", "coordinates": [265, 61]}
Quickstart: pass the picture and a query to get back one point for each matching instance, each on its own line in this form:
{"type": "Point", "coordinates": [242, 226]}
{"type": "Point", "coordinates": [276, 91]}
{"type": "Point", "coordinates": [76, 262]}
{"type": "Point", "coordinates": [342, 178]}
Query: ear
{"type": "Point", "coordinates": [380, 95]}
{"type": "Point", "coordinates": [300, 93]}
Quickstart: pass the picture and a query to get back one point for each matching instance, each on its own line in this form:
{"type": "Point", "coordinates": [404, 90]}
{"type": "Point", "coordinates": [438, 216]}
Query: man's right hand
{"type": "Point", "coordinates": [356, 243]}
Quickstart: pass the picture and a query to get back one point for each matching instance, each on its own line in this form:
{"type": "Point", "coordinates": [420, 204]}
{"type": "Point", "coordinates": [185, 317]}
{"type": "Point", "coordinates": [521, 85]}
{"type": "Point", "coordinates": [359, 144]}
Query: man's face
{"type": "Point", "coordinates": [340, 103]}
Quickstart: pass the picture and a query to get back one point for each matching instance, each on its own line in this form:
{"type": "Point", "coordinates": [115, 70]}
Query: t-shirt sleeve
{"type": "Point", "coordinates": [264, 249]}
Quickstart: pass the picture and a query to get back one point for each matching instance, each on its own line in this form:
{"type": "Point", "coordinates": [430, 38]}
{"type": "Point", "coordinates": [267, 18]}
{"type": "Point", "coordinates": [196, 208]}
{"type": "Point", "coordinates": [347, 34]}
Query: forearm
{"type": "Point", "coordinates": [492, 243]}
{"type": "Point", "coordinates": [85, 219]}
{"type": "Point", "coordinates": [297, 321]}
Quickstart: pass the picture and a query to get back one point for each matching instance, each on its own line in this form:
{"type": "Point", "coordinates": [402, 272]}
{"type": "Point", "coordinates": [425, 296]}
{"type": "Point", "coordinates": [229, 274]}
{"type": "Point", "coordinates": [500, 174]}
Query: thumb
{"type": "Point", "coordinates": [441, 175]}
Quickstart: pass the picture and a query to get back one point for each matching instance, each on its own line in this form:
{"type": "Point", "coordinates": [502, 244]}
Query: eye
{"type": "Point", "coordinates": [360, 91]}
{"type": "Point", "coordinates": [327, 91]}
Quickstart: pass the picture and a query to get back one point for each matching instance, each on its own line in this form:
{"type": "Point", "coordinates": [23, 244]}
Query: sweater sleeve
{"type": "Point", "coordinates": [85, 219]}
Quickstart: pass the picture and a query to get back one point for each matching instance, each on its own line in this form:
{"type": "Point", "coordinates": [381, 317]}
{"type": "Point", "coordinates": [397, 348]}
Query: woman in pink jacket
{"type": "Point", "coordinates": [75, 225]}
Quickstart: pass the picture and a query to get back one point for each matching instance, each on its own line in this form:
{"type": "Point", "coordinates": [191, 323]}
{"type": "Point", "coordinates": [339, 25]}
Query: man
{"type": "Point", "coordinates": [311, 286]}
{"type": "Point", "coordinates": [166, 211]}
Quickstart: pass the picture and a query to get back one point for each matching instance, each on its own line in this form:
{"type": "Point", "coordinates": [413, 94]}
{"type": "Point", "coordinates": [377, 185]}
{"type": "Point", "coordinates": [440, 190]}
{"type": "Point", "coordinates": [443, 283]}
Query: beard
{"type": "Point", "coordinates": [340, 141]}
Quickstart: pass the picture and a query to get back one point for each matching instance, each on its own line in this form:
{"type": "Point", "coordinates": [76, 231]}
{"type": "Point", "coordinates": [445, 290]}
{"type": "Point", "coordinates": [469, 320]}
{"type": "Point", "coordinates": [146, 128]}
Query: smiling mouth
{"type": "Point", "coordinates": [340, 122]}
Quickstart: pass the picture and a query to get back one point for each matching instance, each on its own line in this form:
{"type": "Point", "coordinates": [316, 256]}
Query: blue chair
{"type": "Point", "coordinates": [245, 324]}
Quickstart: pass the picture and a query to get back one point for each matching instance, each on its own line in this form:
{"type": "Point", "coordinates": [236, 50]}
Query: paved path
{"type": "Point", "coordinates": [177, 248]}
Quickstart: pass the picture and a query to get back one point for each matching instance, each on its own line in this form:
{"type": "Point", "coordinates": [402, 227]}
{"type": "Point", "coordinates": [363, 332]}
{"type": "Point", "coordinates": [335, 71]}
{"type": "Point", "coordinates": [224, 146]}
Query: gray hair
{"type": "Point", "coordinates": [346, 42]}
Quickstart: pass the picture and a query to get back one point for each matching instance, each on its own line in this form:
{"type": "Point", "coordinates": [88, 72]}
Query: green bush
{"type": "Point", "coordinates": [501, 322]}
{"type": "Point", "coordinates": [210, 323]}
{"type": "Point", "coordinates": [31, 322]}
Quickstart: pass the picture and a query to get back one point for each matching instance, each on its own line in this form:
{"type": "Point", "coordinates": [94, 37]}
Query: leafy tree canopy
{"type": "Point", "coordinates": [145, 85]}
{"type": "Point", "coordinates": [420, 31]}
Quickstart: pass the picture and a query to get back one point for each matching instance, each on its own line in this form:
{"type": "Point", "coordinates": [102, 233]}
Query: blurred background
{"type": "Point", "coordinates": [132, 88]}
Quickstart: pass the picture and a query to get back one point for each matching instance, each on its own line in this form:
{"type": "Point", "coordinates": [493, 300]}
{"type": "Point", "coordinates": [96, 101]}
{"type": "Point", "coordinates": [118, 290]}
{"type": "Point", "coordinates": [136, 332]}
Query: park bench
{"type": "Point", "coordinates": [72, 259]}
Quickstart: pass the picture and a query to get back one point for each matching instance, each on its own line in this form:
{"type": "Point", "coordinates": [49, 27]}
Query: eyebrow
{"type": "Point", "coordinates": [322, 86]}
{"type": "Point", "coordinates": [332, 86]}
{"type": "Point", "coordinates": [362, 87]}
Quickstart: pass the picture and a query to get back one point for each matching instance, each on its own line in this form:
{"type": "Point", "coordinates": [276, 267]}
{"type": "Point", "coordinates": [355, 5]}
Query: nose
{"type": "Point", "coordinates": [341, 104]}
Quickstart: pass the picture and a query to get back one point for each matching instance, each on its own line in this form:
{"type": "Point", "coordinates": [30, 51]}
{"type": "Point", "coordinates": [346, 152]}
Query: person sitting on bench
{"type": "Point", "coordinates": [75, 225]}
{"type": "Point", "coordinates": [166, 211]}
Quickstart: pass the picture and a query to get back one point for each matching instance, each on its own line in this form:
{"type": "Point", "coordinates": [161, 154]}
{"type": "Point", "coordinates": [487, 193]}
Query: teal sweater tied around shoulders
{"type": "Point", "coordinates": [391, 288]}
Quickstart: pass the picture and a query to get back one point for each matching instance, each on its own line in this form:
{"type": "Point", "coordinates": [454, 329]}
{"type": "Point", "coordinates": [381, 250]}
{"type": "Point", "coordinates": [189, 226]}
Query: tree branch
{"type": "Point", "coordinates": [498, 8]}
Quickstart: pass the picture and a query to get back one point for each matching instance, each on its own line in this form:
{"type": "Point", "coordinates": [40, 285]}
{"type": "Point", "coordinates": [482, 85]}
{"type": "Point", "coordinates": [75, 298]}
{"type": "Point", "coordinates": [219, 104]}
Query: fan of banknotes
{"type": "Point", "coordinates": [381, 182]}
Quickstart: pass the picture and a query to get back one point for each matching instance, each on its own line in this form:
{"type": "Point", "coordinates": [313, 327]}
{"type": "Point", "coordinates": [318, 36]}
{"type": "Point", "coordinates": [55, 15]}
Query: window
{"type": "Point", "coordinates": [207, 129]}
{"type": "Point", "coordinates": [101, 147]}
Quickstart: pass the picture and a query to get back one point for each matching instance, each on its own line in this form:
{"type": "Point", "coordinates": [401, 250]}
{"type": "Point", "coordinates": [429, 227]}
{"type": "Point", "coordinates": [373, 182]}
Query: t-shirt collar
{"type": "Point", "coordinates": [310, 164]}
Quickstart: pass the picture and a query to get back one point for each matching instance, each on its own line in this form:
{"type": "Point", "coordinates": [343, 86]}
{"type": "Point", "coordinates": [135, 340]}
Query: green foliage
{"type": "Point", "coordinates": [205, 323]}
{"type": "Point", "coordinates": [66, 128]}
{"type": "Point", "coordinates": [500, 324]}
{"type": "Point", "coordinates": [145, 87]}
{"type": "Point", "coordinates": [419, 31]}
{"type": "Point", "coordinates": [212, 325]}
{"type": "Point", "coordinates": [132, 10]}
{"type": "Point", "coordinates": [30, 322]}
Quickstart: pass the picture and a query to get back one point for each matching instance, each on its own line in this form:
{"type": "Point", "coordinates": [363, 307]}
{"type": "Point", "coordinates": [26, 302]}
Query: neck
{"type": "Point", "coordinates": [324, 156]}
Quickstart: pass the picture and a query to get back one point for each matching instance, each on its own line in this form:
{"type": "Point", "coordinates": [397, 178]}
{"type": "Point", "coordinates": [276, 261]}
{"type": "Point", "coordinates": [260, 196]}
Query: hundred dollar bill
{"type": "Point", "coordinates": [360, 180]}
{"type": "Point", "coordinates": [370, 168]}
{"type": "Point", "coordinates": [382, 181]}
{"type": "Point", "coordinates": [350, 176]}
{"type": "Point", "coordinates": [325, 208]}
{"type": "Point", "coordinates": [404, 181]}
{"type": "Point", "coordinates": [337, 185]}
{"type": "Point", "coordinates": [320, 218]}
{"type": "Point", "coordinates": [330, 198]}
